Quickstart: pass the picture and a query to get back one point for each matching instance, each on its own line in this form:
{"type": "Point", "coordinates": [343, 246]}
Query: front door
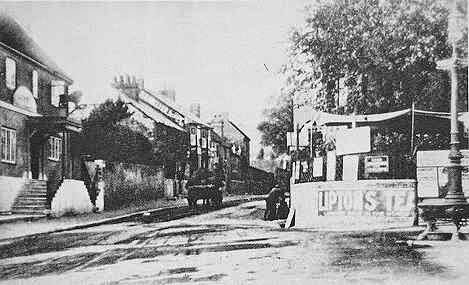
{"type": "Point", "coordinates": [36, 157]}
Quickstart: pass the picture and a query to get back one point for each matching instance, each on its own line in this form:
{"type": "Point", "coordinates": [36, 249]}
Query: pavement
{"type": "Point", "coordinates": [16, 226]}
{"type": "Point", "coordinates": [234, 246]}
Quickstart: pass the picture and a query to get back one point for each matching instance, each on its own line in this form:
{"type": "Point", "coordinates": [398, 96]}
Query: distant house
{"type": "Point", "coordinates": [240, 143]}
{"type": "Point", "coordinates": [37, 137]}
{"type": "Point", "coordinates": [219, 141]}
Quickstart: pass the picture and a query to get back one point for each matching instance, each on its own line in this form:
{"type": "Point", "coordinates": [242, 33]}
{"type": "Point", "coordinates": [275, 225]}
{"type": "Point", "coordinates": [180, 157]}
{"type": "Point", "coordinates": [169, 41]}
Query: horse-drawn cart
{"type": "Point", "coordinates": [208, 192]}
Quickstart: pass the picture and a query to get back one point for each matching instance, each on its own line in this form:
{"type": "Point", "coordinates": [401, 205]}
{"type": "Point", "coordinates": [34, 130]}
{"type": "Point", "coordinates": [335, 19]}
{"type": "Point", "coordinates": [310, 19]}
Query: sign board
{"type": "Point", "coordinates": [432, 177]}
{"type": "Point", "coordinates": [370, 198]}
{"type": "Point", "coordinates": [366, 202]}
{"type": "Point", "coordinates": [377, 164]}
{"type": "Point", "coordinates": [355, 140]}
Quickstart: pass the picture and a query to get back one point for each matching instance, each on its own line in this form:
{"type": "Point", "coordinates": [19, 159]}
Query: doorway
{"type": "Point", "coordinates": [36, 151]}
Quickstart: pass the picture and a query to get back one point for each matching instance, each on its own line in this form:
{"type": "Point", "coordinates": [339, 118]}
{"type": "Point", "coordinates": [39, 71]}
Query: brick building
{"type": "Point", "coordinates": [208, 144]}
{"type": "Point", "coordinates": [37, 137]}
{"type": "Point", "coordinates": [239, 141]}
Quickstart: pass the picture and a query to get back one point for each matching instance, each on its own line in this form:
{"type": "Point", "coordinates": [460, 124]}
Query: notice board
{"type": "Point", "coordinates": [432, 177]}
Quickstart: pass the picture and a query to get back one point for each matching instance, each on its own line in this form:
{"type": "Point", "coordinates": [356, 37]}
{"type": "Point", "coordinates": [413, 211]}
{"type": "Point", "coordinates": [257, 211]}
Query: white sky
{"type": "Point", "coordinates": [209, 52]}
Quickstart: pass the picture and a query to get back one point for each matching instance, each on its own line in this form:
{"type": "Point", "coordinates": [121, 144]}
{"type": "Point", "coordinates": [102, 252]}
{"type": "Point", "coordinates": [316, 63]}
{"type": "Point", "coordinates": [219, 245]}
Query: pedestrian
{"type": "Point", "coordinates": [275, 195]}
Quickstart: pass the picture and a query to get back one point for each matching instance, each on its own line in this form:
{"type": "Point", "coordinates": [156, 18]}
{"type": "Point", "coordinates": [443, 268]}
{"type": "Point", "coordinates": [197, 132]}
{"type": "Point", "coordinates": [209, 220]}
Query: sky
{"type": "Point", "coordinates": [212, 53]}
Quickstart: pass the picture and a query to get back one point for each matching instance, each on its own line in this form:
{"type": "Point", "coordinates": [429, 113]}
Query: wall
{"type": "Point", "coordinates": [390, 198]}
{"type": "Point", "coordinates": [24, 69]}
{"type": "Point", "coordinates": [10, 187]}
{"type": "Point", "coordinates": [127, 184]}
{"type": "Point", "coordinates": [16, 121]}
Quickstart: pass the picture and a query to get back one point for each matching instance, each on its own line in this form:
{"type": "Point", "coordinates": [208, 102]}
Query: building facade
{"type": "Point", "coordinates": [37, 138]}
{"type": "Point", "coordinates": [239, 141]}
{"type": "Point", "coordinates": [208, 145]}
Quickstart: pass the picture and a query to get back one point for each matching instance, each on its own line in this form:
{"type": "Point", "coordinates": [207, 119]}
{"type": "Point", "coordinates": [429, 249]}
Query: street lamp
{"type": "Point", "coordinates": [455, 193]}
{"type": "Point", "coordinates": [454, 205]}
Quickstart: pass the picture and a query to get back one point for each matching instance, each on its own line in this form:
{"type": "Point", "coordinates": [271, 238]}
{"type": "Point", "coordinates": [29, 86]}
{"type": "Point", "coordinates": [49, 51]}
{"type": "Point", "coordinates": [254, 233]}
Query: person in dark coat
{"type": "Point", "coordinates": [275, 196]}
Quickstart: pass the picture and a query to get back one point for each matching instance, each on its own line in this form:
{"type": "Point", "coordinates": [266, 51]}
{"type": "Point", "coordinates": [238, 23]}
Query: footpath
{"type": "Point", "coordinates": [18, 226]}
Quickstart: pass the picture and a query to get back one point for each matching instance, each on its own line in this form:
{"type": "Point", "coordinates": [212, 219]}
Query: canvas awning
{"type": "Point", "coordinates": [307, 115]}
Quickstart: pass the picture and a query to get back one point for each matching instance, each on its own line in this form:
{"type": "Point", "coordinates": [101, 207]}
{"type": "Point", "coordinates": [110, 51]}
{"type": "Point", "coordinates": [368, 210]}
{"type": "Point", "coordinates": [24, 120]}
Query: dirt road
{"type": "Point", "coordinates": [229, 246]}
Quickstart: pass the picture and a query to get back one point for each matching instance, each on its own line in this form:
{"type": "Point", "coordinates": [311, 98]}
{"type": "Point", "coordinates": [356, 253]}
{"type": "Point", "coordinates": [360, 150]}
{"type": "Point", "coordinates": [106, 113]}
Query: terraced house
{"type": "Point", "coordinates": [37, 138]}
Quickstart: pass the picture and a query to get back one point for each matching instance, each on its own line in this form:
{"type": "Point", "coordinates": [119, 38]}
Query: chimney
{"type": "Point", "coordinates": [140, 83]}
{"type": "Point", "coordinates": [194, 108]}
{"type": "Point", "coordinates": [169, 94]}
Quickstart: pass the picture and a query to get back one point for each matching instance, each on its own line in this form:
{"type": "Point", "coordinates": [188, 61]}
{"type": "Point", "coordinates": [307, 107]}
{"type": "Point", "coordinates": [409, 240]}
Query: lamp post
{"type": "Point", "coordinates": [454, 205]}
{"type": "Point", "coordinates": [455, 193]}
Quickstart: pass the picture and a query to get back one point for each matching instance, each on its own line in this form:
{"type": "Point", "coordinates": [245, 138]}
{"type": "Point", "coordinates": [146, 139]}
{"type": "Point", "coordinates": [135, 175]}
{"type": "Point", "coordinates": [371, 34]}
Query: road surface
{"type": "Point", "coordinates": [229, 246]}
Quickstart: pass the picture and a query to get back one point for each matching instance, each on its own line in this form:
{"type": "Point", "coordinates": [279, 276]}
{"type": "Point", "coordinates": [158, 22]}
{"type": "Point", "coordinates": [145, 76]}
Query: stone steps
{"type": "Point", "coordinates": [33, 199]}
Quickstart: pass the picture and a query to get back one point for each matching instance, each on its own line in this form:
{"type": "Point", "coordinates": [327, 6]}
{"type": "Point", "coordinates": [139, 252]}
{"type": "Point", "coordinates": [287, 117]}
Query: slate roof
{"type": "Point", "coordinates": [14, 36]}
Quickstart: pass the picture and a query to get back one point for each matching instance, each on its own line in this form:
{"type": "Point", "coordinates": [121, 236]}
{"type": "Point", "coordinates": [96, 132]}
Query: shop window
{"type": "Point", "coordinates": [10, 73]}
{"type": "Point", "coordinates": [8, 145]}
{"type": "Point", "coordinates": [57, 89]}
{"type": "Point", "coordinates": [55, 148]}
{"type": "Point", "coordinates": [35, 83]}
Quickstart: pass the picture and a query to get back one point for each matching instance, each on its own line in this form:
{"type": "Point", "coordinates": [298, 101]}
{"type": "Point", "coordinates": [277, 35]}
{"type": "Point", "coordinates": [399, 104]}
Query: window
{"type": "Point", "coordinates": [57, 89]}
{"type": "Point", "coordinates": [8, 145]}
{"type": "Point", "coordinates": [55, 148]}
{"type": "Point", "coordinates": [203, 139]}
{"type": "Point", "coordinates": [35, 84]}
{"type": "Point", "coordinates": [193, 136]}
{"type": "Point", "coordinates": [10, 73]}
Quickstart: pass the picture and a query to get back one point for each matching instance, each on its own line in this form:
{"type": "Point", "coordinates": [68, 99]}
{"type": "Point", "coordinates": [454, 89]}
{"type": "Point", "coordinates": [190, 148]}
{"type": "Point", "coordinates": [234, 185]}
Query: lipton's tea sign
{"type": "Point", "coordinates": [379, 202]}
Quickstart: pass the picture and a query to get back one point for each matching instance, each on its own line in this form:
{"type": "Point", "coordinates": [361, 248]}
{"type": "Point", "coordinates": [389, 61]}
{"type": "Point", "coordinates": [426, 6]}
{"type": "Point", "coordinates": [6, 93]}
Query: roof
{"type": "Point", "coordinates": [189, 118]}
{"type": "Point", "coordinates": [153, 113]}
{"type": "Point", "coordinates": [239, 130]}
{"type": "Point", "coordinates": [15, 37]}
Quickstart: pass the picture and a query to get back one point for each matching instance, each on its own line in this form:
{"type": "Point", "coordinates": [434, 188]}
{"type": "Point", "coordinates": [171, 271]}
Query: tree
{"type": "Point", "coordinates": [383, 52]}
{"type": "Point", "coordinates": [108, 134]}
{"type": "Point", "coordinates": [170, 148]}
{"type": "Point", "coordinates": [279, 121]}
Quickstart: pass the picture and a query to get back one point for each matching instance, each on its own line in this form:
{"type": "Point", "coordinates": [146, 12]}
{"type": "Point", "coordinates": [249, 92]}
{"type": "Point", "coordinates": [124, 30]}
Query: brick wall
{"type": "Point", "coordinates": [24, 69]}
{"type": "Point", "coordinates": [16, 121]}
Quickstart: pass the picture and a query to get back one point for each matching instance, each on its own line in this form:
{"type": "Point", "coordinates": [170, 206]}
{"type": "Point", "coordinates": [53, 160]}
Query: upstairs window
{"type": "Point", "coordinates": [8, 145]}
{"type": "Point", "coordinates": [10, 73]}
{"type": "Point", "coordinates": [193, 136]}
{"type": "Point", "coordinates": [35, 83]}
{"type": "Point", "coordinates": [57, 89]}
{"type": "Point", "coordinates": [55, 148]}
{"type": "Point", "coordinates": [204, 138]}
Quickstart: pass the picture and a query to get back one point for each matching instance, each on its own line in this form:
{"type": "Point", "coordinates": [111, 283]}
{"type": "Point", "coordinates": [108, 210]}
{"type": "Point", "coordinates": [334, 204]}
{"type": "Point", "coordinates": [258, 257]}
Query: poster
{"type": "Point", "coordinates": [317, 166]}
{"type": "Point", "coordinates": [350, 168]}
{"type": "Point", "coordinates": [330, 166]}
{"type": "Point", "coordinates": [427, 186]}
{"type": "Point", "coordinates": [377, 164]}
{"type": "Point", "coordinates": [355, 140]}
{"type": "Point", "coordinates": [432, 177]}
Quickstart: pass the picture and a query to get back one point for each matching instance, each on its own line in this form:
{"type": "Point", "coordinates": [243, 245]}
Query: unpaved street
{"type": "Point", "coordinates": [230, 246]}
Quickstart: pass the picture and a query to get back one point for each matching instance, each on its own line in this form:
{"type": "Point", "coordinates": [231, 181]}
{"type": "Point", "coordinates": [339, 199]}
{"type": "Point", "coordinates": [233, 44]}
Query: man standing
{"type": "Point", "coordinates": [275, 196]}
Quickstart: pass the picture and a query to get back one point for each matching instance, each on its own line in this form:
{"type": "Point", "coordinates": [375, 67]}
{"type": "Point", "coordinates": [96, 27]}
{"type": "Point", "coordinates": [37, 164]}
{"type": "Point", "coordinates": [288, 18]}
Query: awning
{"type": "Point", "coordinates": [307, 115]}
